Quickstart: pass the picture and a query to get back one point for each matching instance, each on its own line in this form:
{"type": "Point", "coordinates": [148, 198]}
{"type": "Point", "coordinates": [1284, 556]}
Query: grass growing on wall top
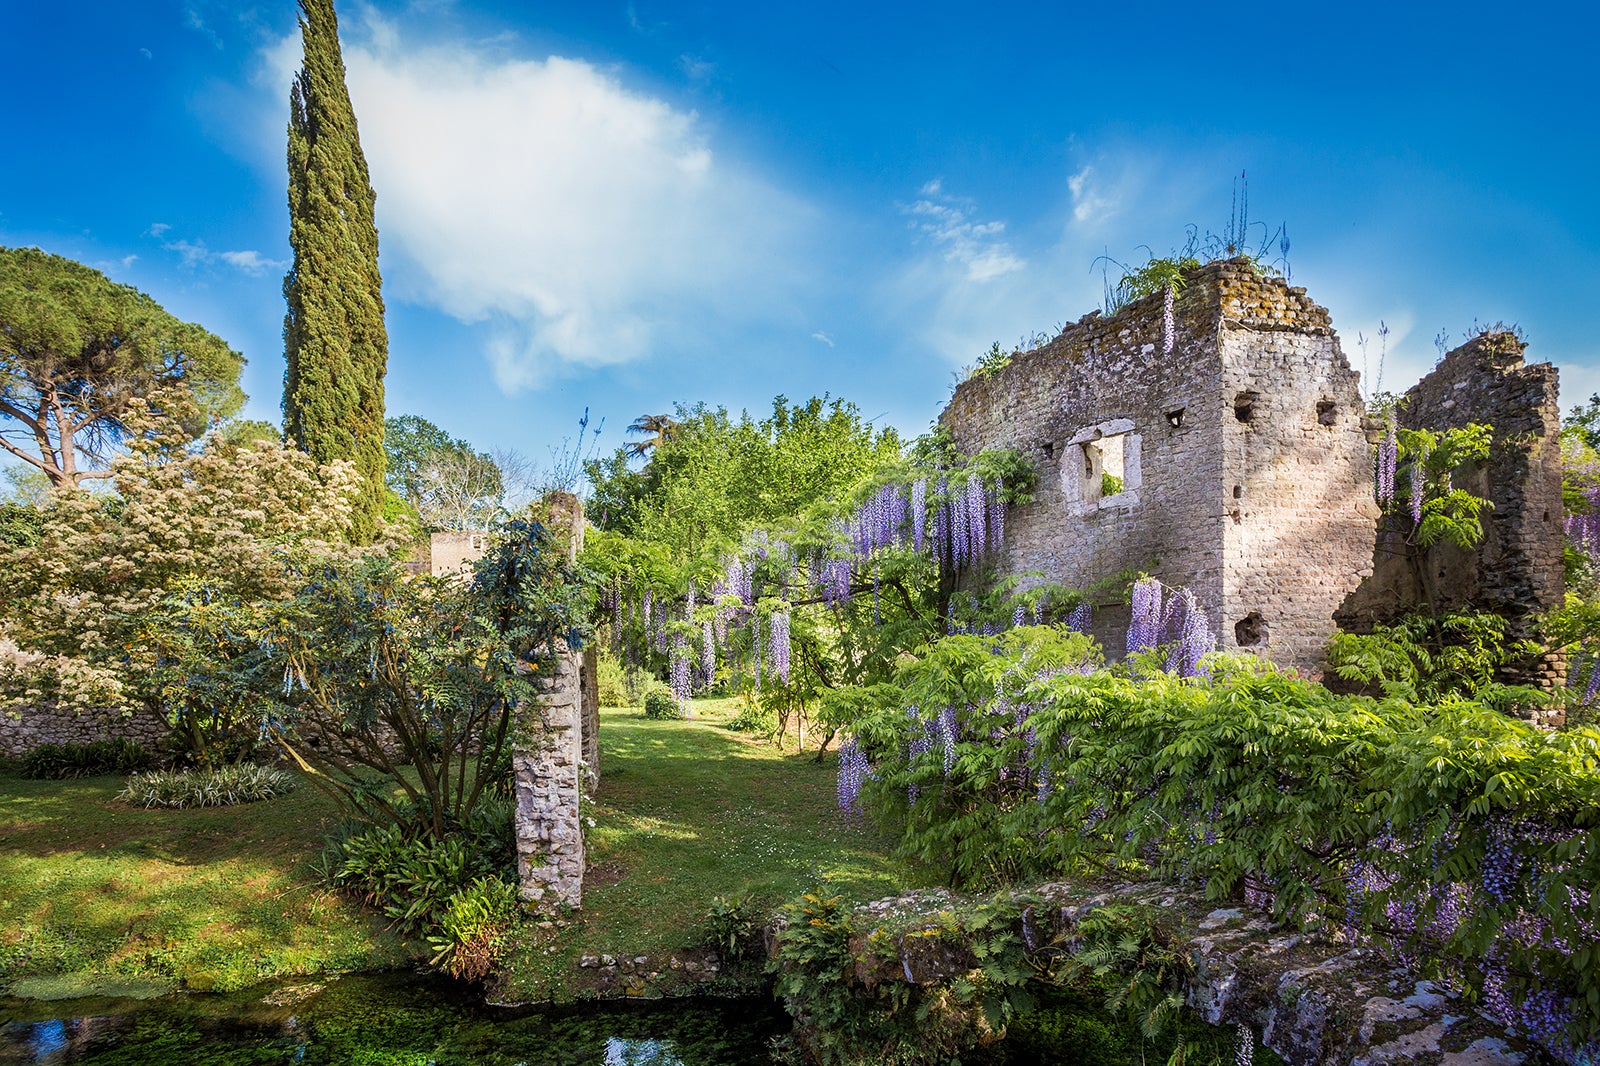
{"type": "Point", "coordinates": [689, 810]}
{"type": "Point", "coordinates": [97, 897]}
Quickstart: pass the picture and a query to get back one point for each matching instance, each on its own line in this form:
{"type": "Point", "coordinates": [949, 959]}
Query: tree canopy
{"type": "Point", "coordinates": [77, 349]}
{"type": "Point", "coordinates": [711, 476]}
{"type": "Point", "coordinates": [335, 342]}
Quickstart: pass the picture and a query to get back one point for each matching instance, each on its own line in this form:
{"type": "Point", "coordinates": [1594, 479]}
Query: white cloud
{"type": "Point", "coordinates": [251, 261]}
{"type": "Point", "coordinates": [697, 69]}
{"type": "Point", "coordinates": [1091, 201]}
{"type": "Point", "coordinates": [157, 229]}
{"type": "Point", "coordinates": [195, 253]}
{"type": "Point", "coordinates": [822, 338]}
{"type": "Point", "coordinates": [976, 246]}
{"type": "Point", "coordinates": [583, 222]}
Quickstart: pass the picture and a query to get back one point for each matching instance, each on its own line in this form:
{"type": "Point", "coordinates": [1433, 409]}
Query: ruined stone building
{"type": "Point", "coordinates": [1234, 457]}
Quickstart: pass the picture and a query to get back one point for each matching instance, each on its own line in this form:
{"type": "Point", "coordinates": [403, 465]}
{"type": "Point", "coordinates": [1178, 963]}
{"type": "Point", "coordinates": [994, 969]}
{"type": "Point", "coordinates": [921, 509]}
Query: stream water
{"type": "Point", "coordinates": [382, 1020]}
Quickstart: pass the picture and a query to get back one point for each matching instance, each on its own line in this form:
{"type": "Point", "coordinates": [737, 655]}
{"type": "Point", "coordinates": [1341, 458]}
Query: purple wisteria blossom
{"type": "Point", "coordinates": [778, 641]}
{"type": "Point", "coordinates": [919, 512]}
{"type": "Point", "coordinates": [708, 652]}
{"type": "Point", "coordinates": [949, 731]}
{"type": "Point", "coordinates": [1078, 621]}
{"type": "Point", "coordinates": [1419, 482]}
{"type": "Point", "coordinates": [854, 771]}
{"type": "Point", "coordinates": [1388, 462]}
{"type": "Point", "coordinates": [1193, 637]}
{"type": "Point", "coordinates": [1144, 632]}
{"type": "Point", "coordinates": [680, 670]}
{"type": "Point", "coordinates": [1169, 319]}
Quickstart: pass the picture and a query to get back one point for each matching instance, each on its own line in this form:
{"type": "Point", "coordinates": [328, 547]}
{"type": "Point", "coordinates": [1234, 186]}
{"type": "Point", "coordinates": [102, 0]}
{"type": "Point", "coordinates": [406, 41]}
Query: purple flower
{"type": "Point", "coordinates": [1169, 319]}
{"type": "Point", "coordinates": [919, 512]}
{"type": "Point", "coordinates": [708, 652]}
{"type": "Point", "coordinates": [1078, 621]}
{"type": "Point", "coordinates": [778, 641]}
{"type": "Point", "coordinates": [1144, 632]}
{"type": "Point", "coordinates": [854, 770]}
{"type": "Point", "coordinates": [1388, 461]}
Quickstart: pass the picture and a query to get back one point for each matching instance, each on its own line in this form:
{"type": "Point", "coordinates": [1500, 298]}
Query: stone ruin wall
{"type": "Point", "coordinates": [50, 724]}
{"type": "Point", "coordinates": [1518, 570]}
{"type": "Point", "coordinates": [1272, 516]}
{"type": "Point", "coordinates": [555, 758]}
{"type": "Point", "coordinates": [1298, 488]}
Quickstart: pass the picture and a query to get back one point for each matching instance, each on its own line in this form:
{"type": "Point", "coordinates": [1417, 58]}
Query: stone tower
{"type": "Point", "coordinates": [1234, 464]}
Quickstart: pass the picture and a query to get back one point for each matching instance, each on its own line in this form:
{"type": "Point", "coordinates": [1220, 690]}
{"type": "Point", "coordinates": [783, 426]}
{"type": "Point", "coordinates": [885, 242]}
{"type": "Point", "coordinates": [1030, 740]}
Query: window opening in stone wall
{"type": "Point", "coordinates": [1327, 413]}
{"type": "Point", "coordinates": [1113, 464]}
{"type": "Point", "coordinates": [1100, 466]}
{"type": "Point", "coordinates": [1175, 418]}
{"type": "Point", "coordinates": [1049, 449]}
{"type": "Point", "coordinates": [1244, 406]}
{"type": "Point", "coordinates": [1250, 631]}
{"type": "Point", "coordinates": [1238, 492]}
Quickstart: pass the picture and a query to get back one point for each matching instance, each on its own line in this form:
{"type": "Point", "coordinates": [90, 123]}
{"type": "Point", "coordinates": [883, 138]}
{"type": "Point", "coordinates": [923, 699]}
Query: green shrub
{"type": "Point", "coordinates": [1334, 810]}
{"type": "Point", "coordinates": [473, 926]}
{"type": "Point", "coordinates": [733, 927]}
{"type": "Point", "coordinates": [409, 876]}
{"type": "Point", "coordinates": [612, 680]}
{"type": "Point", "coordinates": [659, 702]}
{"type": "Point", "coordinates": [58, 761]}
{"type": "Point", "coordinates": [246, 783]}
{"type": "Point", "coordinates": [753, 717]}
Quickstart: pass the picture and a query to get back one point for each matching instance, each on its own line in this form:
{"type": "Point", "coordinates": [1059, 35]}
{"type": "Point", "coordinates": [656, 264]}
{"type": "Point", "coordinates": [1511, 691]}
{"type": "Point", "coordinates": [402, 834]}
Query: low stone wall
{"type": "Point", "coordinates": [50, 724]}
{"type": "Point", "coordinates": [1314, 1003]}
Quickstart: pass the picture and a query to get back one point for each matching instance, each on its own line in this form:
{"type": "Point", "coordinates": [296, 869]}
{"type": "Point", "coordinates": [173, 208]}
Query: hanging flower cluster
{"type": "Point", "coordinates": [1388, 461]}
{"type": "Point", "coordinates": [1181, 624]}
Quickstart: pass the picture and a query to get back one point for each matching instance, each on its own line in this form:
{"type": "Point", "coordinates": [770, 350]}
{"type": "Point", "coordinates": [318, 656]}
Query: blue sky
{"type": "Point", "coordinates": [624, 205]}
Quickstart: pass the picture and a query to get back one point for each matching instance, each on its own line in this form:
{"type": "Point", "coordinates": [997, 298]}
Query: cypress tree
{"type": "Point", "coordinates": [334, 337]}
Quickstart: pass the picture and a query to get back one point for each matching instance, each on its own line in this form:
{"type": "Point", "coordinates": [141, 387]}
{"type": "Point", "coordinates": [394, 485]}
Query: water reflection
{"type": "Point", "coordinates": [385, 1018]}
{"type": "Point", "coordinates": [623, 1052]}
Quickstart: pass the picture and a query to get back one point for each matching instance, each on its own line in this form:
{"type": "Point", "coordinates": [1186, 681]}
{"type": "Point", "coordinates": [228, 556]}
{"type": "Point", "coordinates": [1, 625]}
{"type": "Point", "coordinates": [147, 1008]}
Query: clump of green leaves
{"type": "Point", "coordinates": [60, 761]}
{"type": "Point", "coordinates": [733, 926]}
{"type": "Point", "coordinates": [660, 703]}
{"type": "Point", "coordinates": [220, 787]}
{"type": "Point", "coordinates": [1427, 658]}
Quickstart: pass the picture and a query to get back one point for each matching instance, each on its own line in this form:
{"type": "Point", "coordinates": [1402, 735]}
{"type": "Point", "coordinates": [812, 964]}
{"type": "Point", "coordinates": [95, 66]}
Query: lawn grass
{"type": "Point", "coordinates": [97, 897]}
{"type": "Point", "coordinates": [689, 810]}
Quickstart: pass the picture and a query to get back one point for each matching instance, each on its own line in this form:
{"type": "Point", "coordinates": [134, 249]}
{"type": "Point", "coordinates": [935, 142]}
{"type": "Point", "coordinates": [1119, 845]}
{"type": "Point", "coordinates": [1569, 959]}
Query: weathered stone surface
{"type": "Point", "coordinates": [1314, 1002]}
{"type": "Point", "coordinates": [1517, 570]}
{"type": "Point", "coordinates": [1247, 474]}
{"type": "Point", "coordinates": [549, 785]}
{"type": "Point", "coordinates": [49, 724]}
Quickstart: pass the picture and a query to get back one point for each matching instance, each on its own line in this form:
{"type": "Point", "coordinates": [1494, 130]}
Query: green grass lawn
{"type": "Point", "coordinates": [97, 897]}
{"type": "Point", "coordinates": [689, 810]}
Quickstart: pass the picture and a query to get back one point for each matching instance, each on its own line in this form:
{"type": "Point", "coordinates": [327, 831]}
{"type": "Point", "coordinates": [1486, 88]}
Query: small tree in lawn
{"type": "Point", "coordinates": [93, 607]}
{"type": "Point", "coordinates": [410, 683]}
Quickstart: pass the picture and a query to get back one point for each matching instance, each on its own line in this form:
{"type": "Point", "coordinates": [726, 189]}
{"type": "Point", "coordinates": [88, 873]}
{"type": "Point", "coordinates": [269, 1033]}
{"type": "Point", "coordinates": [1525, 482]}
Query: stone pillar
{"type": "Point", "coordinates": [591, 719]}
{"type": "Point", "coordinates": [549, 783]}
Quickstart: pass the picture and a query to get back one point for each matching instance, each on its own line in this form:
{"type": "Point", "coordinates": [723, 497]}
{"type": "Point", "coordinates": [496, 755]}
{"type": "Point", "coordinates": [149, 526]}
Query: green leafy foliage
{"type": "Point", "coordinates": [335, 342]}
{"type": "Point", "coordinates": [660, 703]}
{"type": "Point", "coordinates": [733, 926]}
{"type": "Point", "coordinates": [78, 352]}
{"type": "Point", "coordinates": [221, 787]}
{"type": "Point", "coordinates": [410, 683]}
{"type": "Point", "coordinates": [1426, 659]}
{"type": "Point", "coordinates": [59, 761]}
{"type": "Point", "coordinates": [1330, 807]}
{"type": "Point", "coordinates": [474, 927]}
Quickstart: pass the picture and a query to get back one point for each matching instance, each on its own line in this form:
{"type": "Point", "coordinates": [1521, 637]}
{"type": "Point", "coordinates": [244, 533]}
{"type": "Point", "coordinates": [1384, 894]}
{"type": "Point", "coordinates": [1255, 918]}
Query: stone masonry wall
{"type": "Point", "coordinates": [1299, 492]}
{"type": "Point", "coordinates": [1517, 570]}
{"type": "Point", "coordinates": [549, 785]}
{"type": "Point", "coordinates": [57, 725]}
{"type": "Point", "coordinates": [1270, 516]}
